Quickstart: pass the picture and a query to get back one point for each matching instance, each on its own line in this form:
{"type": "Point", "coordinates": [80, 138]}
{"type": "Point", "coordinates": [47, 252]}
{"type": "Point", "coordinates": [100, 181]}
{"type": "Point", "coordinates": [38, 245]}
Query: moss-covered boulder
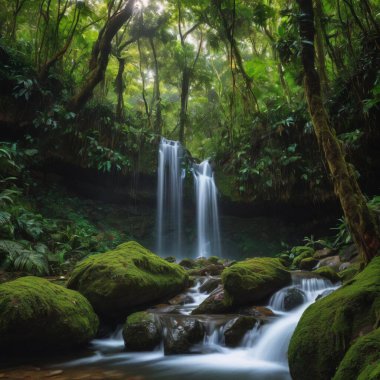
{"type": "Point", "coordinates": [38, 315]}
{"type": "Point", "coordinates": [214, 304]}
{"type": "Point", "coordinates": [330, 325]}
{"type": "Point", "coordinates": [254, 280]}
{"type": "Point", "coordinates": [362, 360]}
{"type": "Point", "coordinates": [301, 253]}
{"type": "Point", "coordinates": [329, 273]}
{"type": "Point", "coordinates": [141, 332]}
{"type": "Point", "coordinates": [127, 278]}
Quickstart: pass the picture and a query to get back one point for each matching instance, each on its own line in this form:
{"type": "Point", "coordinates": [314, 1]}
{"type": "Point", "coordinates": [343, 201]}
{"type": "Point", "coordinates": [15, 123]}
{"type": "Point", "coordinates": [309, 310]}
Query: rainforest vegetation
{"type": "Point", "coordinates": [283, 98]}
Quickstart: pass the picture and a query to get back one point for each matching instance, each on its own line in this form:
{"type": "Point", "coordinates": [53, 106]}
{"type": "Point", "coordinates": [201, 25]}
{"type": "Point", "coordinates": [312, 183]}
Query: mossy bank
{"type": "Point", "coordinates": [331, 325]}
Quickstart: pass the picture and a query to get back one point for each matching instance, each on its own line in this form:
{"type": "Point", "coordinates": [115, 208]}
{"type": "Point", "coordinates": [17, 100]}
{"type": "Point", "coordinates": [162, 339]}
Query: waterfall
{"type": "Point", "coordinates": [169, 198]}
{"type": "Point", "coordinates": [208, 233]}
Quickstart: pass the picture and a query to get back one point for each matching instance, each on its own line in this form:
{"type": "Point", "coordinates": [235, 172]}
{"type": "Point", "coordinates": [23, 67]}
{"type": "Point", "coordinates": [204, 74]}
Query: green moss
{"type": "Point", "coordinates": [371, 372]}
{"type": "Point", "coordinates": [362, 360]}
{"type": "Point", "coordinates": [301, 253]}
{"type": "Point", "coordinates": [36, 314]}
{"type": "Point", "coordinates": [140, 316]}
{"type": "Point", "coordinates": [329, 273]}
{"type": "Point", "coordinates": [349, 273]}
{"type": "Point", "coordinates": [126, 278]}
{"type": "Point", "coordinates": [330, 325]}
{"type": "Point", "coordinates": [213, 260]}
{"type": "Point", "coordinates": [187, 263]}
{"type": "Point", "coordinates": [254, 280]}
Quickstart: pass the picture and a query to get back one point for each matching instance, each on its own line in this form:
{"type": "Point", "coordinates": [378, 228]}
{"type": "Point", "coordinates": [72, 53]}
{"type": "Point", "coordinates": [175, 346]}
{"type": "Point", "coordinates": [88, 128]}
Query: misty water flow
{"type": "Point", "coordinates": [208, 232]}
{"type": "Point", "coordinates": [169, 198]}
{"type": "Point", "coordinates": [262, 354]}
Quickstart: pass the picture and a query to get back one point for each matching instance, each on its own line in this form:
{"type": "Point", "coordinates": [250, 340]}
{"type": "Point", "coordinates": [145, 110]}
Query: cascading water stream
{"type": "Point", "coordinates": [273, 340]}
{"type": "Point", "coordinates": [262, 354]}
{"type": "Point", "coordinates": [208, 232]}
{"type": "Point", "coordinates": [169, 198]}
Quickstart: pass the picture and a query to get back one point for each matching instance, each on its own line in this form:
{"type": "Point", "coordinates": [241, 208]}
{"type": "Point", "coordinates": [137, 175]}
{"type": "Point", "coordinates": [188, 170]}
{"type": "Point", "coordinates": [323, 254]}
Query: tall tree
{"type": "Point", "coordinates": [118, 15]}
{"type": "Point", "coordinates": [361, 221]}
{"type": "Point", "coordinates": [187, 69]}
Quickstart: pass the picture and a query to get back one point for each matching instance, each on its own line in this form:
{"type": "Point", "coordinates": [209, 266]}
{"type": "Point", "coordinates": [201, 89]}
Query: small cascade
{"type": "Point", "coordinates": [196, 295]}
{"type": "Point", "coordinates": [214, 339]}
{"type": "Point", "coordinates": [273, 340]}
{"type": "Point", "coordinates": [207, 211]}
{"type": "Point", "coordinates": [169, 198]}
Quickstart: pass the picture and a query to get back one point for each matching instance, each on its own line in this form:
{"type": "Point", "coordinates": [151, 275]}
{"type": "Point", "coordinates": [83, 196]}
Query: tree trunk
{"type": "Point", "coordinates": [157, 93]}
{"type": "Point", "coordinates": [321, 63]}
{"type": "Point", "coordinates": [100, 55]}
{"type": "Point", "coordinates": [44, 70]}
{"type": "Point", "coordinates": [361, 221]}
{"type": "Point", "coordinates": [119, 87]}
{"type": "Point", "coordinates": [186, 75]}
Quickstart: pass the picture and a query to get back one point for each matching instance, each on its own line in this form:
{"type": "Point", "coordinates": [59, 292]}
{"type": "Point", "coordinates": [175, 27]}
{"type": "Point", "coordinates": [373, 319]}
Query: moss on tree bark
{"type": "Point", "coordinates": [361, 221]}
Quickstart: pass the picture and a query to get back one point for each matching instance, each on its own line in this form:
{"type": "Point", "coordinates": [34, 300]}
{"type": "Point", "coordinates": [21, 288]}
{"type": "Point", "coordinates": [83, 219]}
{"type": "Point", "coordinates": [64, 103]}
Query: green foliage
{"type": "Point", "coordinates": [268, 147]}
{"type": "Point", "coordinates": [343, 235]}
{"type": "Point", "coordinates": [24, 87]}
{"type": "Point", "coordinates": [23, 258]}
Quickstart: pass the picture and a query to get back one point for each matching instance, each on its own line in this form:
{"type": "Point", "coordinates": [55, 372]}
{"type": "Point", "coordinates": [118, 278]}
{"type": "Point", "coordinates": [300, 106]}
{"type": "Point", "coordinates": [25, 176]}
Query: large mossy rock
{"type": "Point", "coordinates": [330, 326]}
{"type": "Point", "coordinates": [362, 360]}
{"type": "Point", "coordinates": [129, 277]}
{"type": "Point", "coordinates": [254, 280]}
{"type": "Point", "coordinates": [329, 273]}
{"type": "Point", "coordinates": [36, 314]}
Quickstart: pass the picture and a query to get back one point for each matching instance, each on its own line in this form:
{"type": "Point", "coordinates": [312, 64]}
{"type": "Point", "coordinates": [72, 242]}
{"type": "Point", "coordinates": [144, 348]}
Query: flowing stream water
{"type": "Point", "coordinates": [262, 354]}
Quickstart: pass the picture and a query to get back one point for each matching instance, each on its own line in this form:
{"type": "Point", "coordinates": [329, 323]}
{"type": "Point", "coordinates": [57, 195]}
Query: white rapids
{"type": "Point", "coordinates": [262, 354]}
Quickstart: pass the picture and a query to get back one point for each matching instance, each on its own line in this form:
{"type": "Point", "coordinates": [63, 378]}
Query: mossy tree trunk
{"type": "Point", "coordinates": [361, 221]}
{"type": "Point", "coordinates": [100, 54]}
{"type": "Point", "coordinates": [320, 47]}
